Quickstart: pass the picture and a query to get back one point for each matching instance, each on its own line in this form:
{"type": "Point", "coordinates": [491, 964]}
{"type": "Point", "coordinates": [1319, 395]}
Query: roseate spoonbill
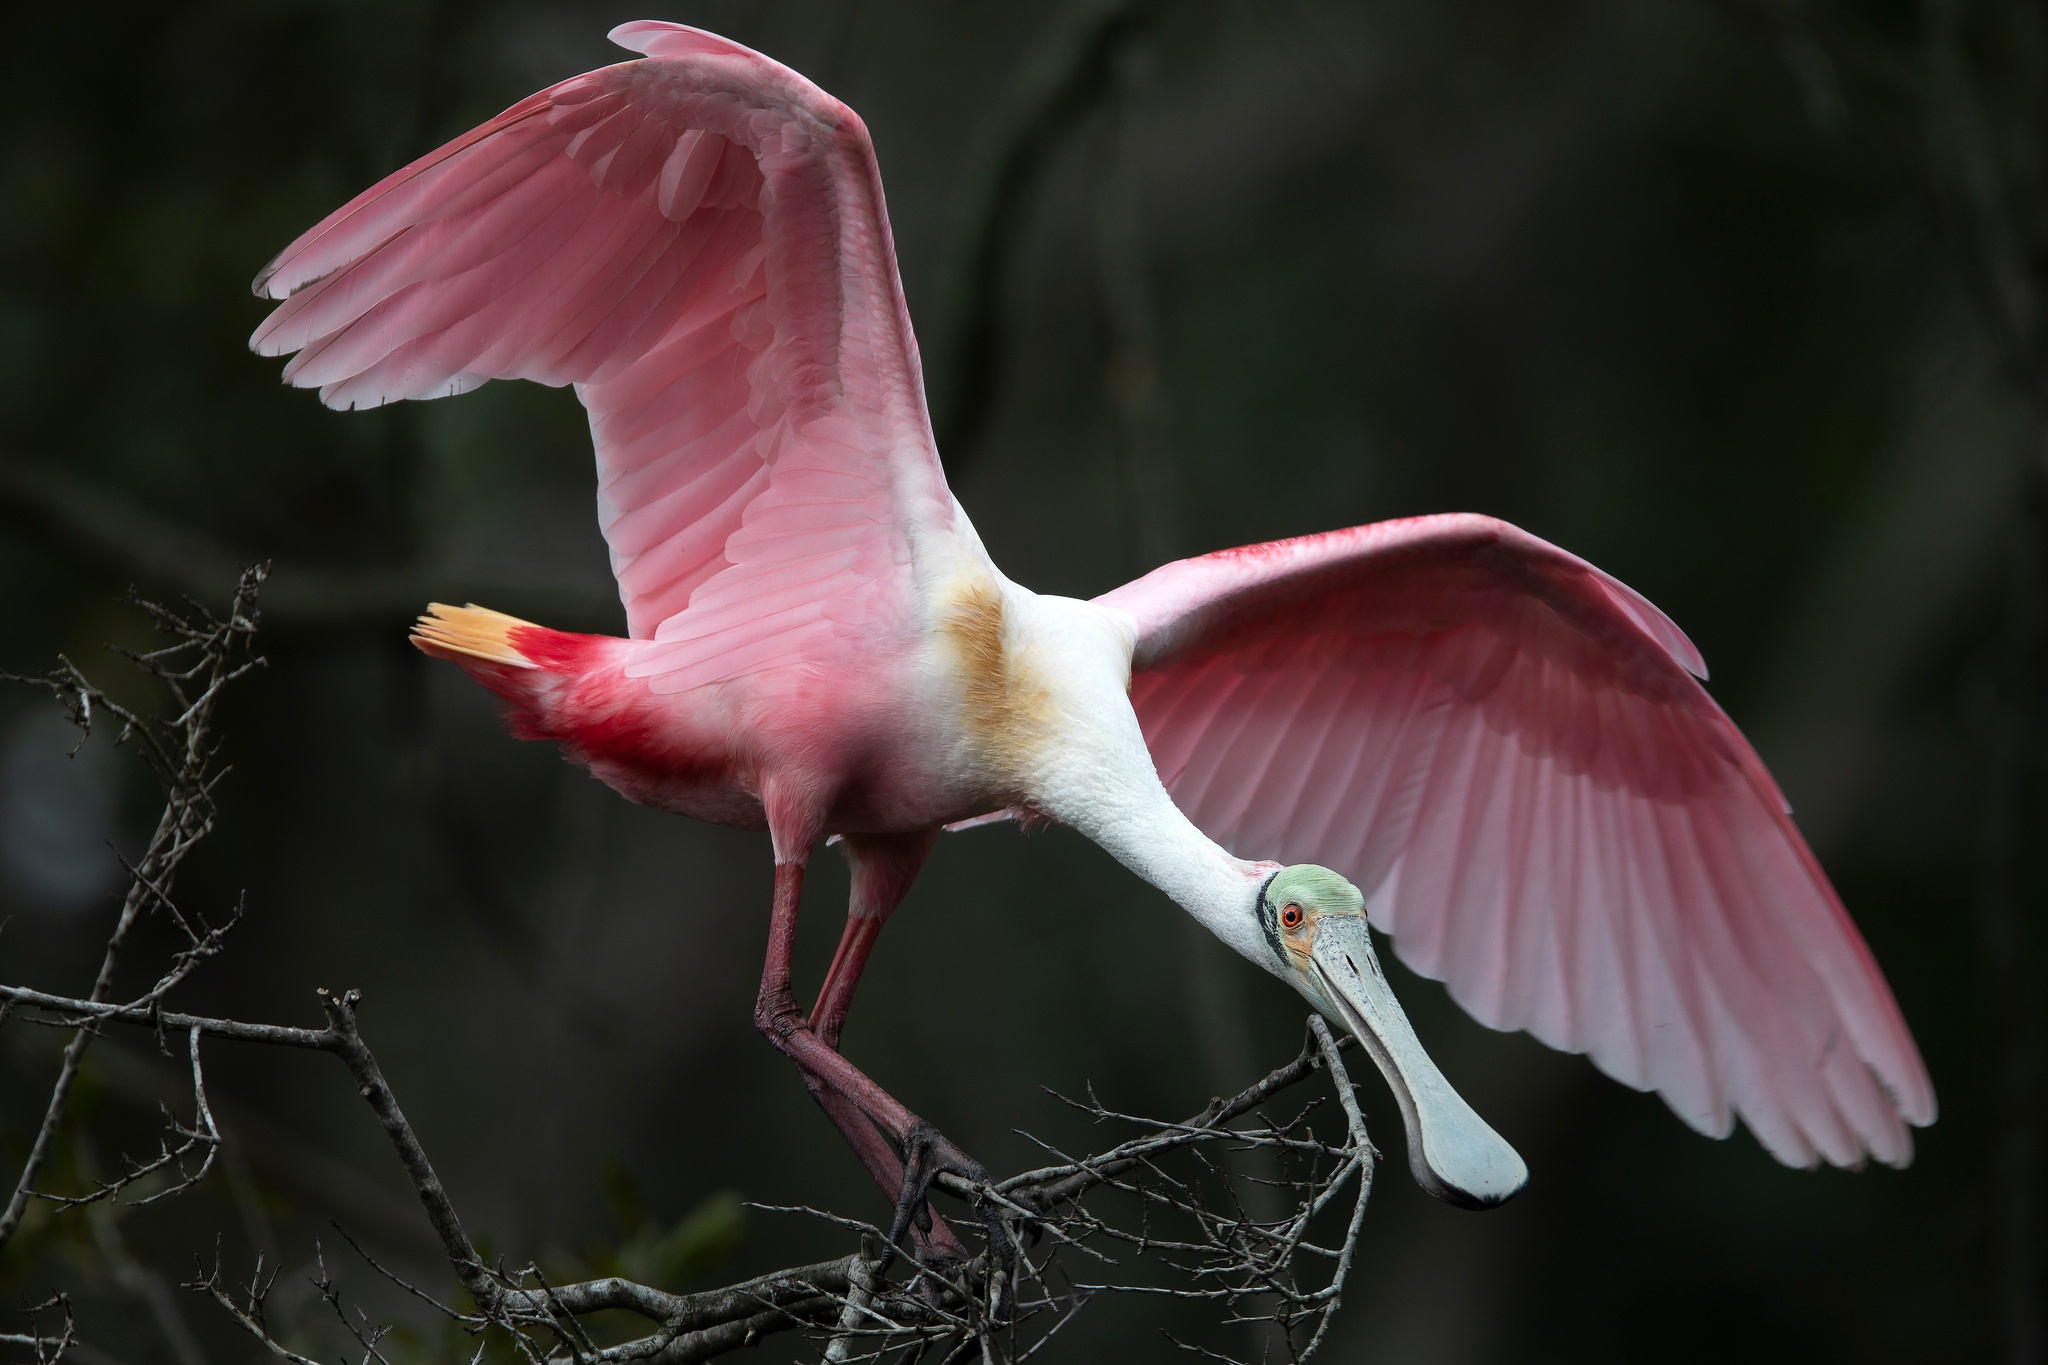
{"type": "Point", "coordinates": [1504, 750]}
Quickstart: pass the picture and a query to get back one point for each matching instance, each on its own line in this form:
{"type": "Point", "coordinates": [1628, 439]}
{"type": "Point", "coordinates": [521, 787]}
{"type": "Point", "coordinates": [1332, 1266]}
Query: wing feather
{"type": "Point", "coordinates": [697, 242]}
{"type": "Point", "coordinates": [1510, 752]}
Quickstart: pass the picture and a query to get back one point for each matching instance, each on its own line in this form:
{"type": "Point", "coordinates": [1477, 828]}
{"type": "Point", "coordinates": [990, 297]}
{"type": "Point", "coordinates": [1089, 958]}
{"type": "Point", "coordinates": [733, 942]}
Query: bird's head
{"type": "Point", "coordinates": [1313, 923]}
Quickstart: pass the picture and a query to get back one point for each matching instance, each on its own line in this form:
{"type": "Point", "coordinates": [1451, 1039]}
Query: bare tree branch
{"type": "Point", "coordinates": [46, 1349]}
{"type": "Point", "coordinates": [206, 653]}
{"type": "Point", "coordinates": [1163, 1212]}
{"type": "Point", "coordinates": [203, 1137]}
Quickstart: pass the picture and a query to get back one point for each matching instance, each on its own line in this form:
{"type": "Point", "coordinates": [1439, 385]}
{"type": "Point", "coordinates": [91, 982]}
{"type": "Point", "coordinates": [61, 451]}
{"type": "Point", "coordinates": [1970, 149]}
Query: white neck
{"type": "Point", "coordinates": [1093, 771]}
{"type": "Point", "coordinates": [1164, 847]}
{"type": "Point", "coordinates": [1136, 822]}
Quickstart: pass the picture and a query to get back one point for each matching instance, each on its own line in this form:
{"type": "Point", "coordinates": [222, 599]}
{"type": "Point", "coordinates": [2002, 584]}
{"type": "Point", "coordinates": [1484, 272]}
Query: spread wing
{"type": "Point", "coordinates": [697, 241]}
{"type": "Point", "coordinates": [1507, 750]}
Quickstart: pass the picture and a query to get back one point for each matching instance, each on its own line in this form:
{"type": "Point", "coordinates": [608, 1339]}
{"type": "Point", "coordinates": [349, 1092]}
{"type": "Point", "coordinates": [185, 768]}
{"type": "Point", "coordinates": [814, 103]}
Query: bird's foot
{"type": "Point", "coordinates": [927, 1154]}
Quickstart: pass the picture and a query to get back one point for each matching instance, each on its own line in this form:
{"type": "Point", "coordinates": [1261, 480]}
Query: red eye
{"type": "Point", "coordinates": [1290, 916]}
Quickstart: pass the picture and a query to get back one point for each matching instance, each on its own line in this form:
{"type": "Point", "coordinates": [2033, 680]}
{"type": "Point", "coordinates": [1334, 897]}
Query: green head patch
{"type": "Point", "coordinates": [1315, 888]}
{"type": "Point", "coordinates": [1295, 898]}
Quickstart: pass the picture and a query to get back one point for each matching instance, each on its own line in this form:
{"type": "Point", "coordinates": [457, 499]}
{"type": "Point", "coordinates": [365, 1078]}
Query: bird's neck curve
{"type": "Point", "coordinates": [1148, 834]}
{"type": "Point", "coordinates": [1093, 771]}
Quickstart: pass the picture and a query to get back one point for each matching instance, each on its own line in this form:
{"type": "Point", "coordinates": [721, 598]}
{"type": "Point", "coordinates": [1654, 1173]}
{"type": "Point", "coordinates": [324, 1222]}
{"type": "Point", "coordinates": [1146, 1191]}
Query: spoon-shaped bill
{"type": "Point", "coordinates": [1451, 1150]}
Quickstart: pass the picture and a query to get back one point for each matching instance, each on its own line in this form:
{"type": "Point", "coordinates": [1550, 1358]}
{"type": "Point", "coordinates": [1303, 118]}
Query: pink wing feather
{"type": "Point", "coordinates": [697, 241]}
{"type": "Point", "coordinates": [1504, 747]}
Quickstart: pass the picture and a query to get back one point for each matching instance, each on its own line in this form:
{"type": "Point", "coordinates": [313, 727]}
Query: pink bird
{"type": "Point", "coordinates": [1505, 752]}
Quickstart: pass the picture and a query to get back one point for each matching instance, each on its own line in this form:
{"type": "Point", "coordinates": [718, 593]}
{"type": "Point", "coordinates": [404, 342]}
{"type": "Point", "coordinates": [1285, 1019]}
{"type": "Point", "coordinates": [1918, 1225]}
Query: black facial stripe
{"type": "Point", "coordinates": [1269, 920]}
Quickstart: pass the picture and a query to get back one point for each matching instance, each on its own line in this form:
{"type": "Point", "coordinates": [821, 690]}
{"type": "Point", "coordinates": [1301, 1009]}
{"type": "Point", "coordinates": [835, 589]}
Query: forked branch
{"type": "Point", "coordinates": [204, 653]}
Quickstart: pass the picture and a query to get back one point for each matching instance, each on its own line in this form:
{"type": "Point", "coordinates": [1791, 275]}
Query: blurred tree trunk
{"type": "Point", "coordinates": [2011, 815]}
{"type": "Point", "coordinates": [1955, 94]}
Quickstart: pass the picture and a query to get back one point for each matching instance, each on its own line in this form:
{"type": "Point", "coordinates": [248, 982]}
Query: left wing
{"type": "Point", "coordinates": [1507, 749]}
{"type": "Point", "coordinates": [697, 241]}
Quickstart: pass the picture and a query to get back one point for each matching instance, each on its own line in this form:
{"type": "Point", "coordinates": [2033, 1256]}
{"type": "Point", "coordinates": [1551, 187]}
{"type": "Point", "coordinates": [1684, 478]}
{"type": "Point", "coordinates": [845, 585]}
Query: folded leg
{"type": "Point", "coordinates": [884, 866]}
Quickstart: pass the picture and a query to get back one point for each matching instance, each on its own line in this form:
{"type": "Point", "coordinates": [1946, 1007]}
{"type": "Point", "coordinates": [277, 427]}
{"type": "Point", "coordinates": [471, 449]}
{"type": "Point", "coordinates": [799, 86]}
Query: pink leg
{"type": "Point", "coordinates": [828, 1016]}
{"type": "Point", "coordinates": [934, 1239]}
{"type": "Point", "coordinates": [884, 866]}
{"type": "Point", "coordinates": [849, 1098]}
{"type": "Point", "coordinates": [778, 1017]}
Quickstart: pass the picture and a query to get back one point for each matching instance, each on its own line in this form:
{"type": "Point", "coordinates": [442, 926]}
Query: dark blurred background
{"type": "Point", "coordinates": [1738, 302]}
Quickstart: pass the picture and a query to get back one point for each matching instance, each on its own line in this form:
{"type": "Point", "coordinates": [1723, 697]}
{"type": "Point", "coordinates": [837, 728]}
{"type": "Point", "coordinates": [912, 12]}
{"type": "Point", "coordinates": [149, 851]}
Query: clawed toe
{"type": "Point", "coordinates": [927, 1153]}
